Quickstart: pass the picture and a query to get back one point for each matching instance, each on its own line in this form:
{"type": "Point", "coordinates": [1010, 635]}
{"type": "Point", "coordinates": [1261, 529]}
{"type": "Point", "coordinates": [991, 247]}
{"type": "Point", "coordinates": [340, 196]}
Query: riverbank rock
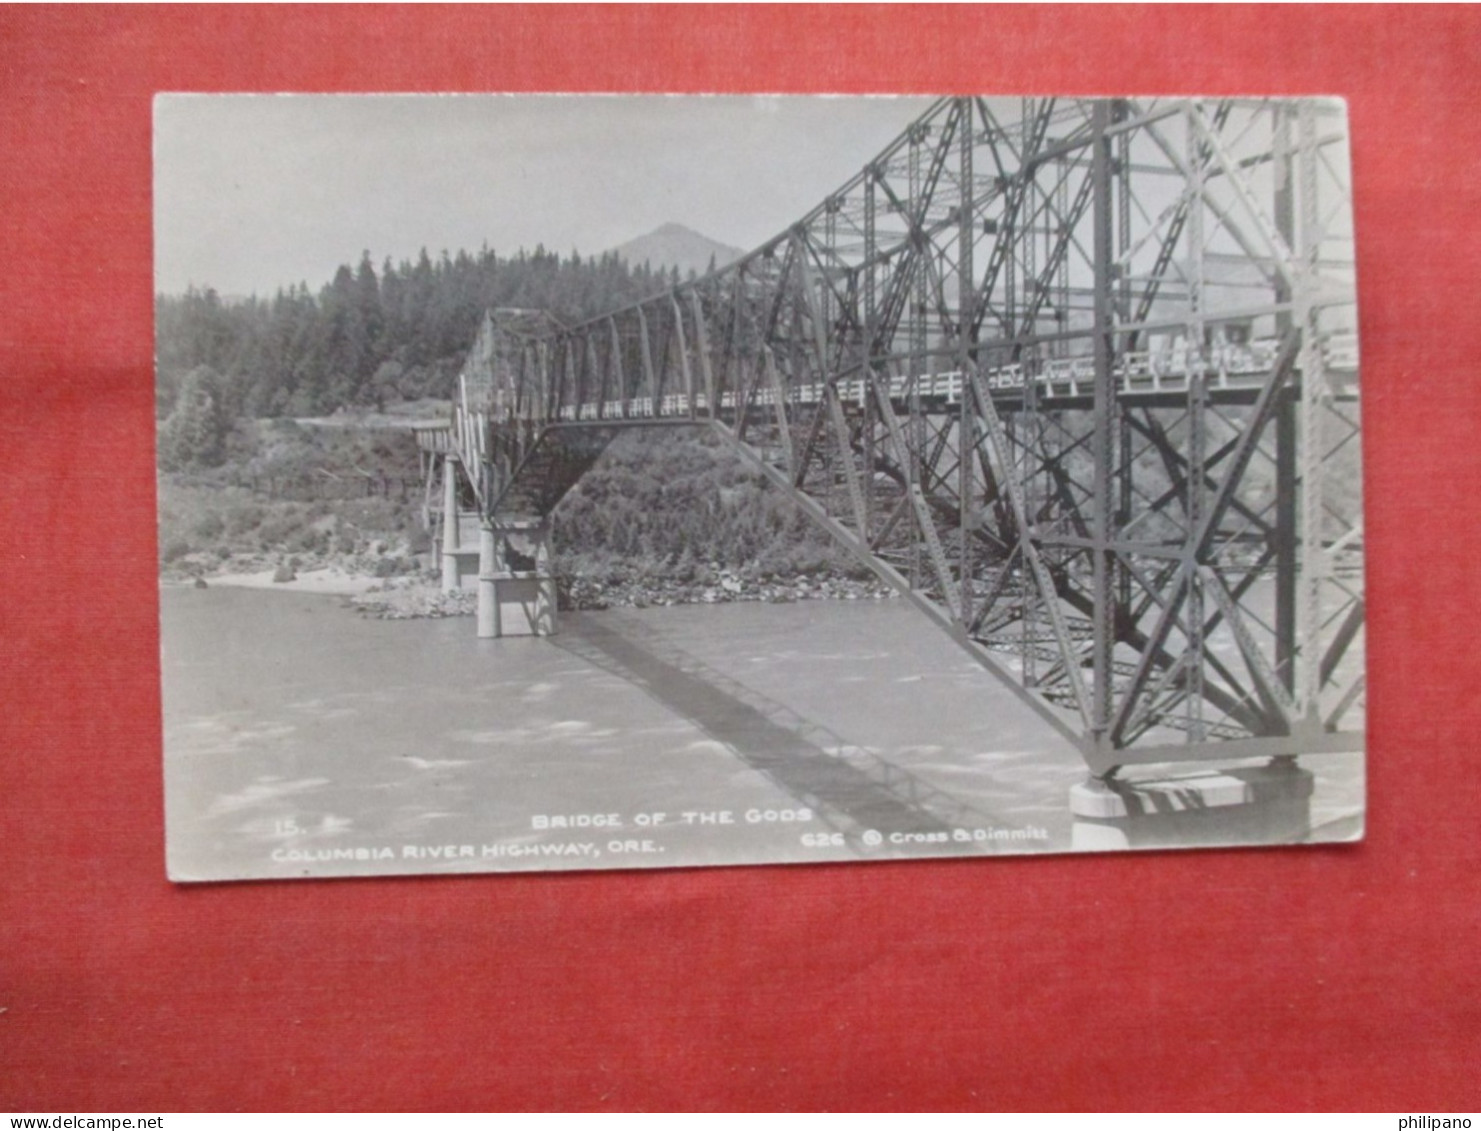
{"type": "Point", "coordinates": [415, 601]}
{"type": "Point", "coordinates": [580, 594]}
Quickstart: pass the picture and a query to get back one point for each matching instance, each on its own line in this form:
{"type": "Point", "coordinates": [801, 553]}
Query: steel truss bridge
{"type": "Point", "coordinates": [1077, 377]}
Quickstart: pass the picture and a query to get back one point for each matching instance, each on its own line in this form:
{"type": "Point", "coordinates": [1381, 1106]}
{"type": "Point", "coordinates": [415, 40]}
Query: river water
{"type": "Point", "coordinates": [304, 739]}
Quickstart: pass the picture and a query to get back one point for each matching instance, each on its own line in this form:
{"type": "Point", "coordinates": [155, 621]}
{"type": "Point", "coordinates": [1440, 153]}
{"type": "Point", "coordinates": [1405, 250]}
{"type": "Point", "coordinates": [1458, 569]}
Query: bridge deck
{"type": "Point", "coordinates": [1234, 375]}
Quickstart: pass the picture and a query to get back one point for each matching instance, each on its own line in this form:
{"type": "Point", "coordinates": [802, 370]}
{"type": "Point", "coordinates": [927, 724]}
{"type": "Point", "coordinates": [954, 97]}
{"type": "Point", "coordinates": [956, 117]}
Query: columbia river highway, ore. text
{"type": "Point", "coordinates": [616, 834]}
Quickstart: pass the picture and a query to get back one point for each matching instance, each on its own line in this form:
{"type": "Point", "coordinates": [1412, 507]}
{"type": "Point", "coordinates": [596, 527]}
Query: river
{"type": "Point", "coordinates": [304, 739]}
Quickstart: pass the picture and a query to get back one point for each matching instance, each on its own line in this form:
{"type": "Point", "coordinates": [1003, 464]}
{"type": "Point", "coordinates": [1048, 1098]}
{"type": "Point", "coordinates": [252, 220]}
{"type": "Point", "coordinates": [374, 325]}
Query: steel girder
{"type": "Point", "coordinates": [1077, 376]}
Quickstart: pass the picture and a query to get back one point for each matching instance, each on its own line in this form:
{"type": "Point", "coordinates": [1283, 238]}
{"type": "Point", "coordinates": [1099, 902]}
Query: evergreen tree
{"type": "Point", "coordinates": [370, 320]}
{"type": "Point", "coordinates": [367, 337]}
{"type": "Point", "coordinates": [194, 434]}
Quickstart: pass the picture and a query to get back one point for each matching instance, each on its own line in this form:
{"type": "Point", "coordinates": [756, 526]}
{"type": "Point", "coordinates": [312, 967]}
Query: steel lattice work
{"type": "Point", "coordinates": [1078, 377]}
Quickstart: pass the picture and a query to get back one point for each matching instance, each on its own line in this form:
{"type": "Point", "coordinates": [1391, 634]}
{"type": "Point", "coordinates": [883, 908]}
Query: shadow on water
{"type": "Point", "coordinates": [850, 788]}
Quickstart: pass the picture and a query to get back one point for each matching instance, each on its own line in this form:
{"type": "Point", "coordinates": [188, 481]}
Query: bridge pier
{"type": "Point", "coordinates": [516, 581]}
{"type": "Point", "coordinates": [1268, 804]}
{"type": "Point", "coordinates": [450, 535]}
{"type": "Point", "coordinates": [460, 548]}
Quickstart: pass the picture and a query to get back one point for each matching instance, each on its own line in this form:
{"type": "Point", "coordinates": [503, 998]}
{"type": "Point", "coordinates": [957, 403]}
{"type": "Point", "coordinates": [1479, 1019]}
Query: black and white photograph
{"type": "Point", "coordinates": [572, 482]}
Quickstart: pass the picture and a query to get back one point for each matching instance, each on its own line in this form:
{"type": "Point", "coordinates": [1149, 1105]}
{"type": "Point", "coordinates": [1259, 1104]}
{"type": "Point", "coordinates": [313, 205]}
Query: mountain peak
{"type": "Point", "coordinates": [674, 245]}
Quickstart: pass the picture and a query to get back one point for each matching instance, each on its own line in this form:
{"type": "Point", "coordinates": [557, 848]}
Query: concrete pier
{"type": "Point", "coordinates": [516, 581]}
{"type": "Point", "coordinates": [488, 568]}
{"type": "Point", "coordinates": [450, 534]}
{"type": "Point", "coordinates": [460, 540]}
{"type": "Point", "coordinates": [1268, 804]}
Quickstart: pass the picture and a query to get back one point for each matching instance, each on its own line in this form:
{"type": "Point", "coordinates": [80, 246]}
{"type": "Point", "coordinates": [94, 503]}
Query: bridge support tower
{"type": "Point", "coordinates": [1077, 377]}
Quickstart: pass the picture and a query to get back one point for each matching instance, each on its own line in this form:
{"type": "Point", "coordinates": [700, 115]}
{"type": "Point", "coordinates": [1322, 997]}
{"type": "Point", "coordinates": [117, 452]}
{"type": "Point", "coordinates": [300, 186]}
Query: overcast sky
{"type": "Point", "coordinates": [253, 192]}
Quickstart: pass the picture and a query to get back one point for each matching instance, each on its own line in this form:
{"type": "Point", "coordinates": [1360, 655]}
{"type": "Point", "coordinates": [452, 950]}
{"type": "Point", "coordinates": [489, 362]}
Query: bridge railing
{"type": "Point", "coordinates": [1139, 372]}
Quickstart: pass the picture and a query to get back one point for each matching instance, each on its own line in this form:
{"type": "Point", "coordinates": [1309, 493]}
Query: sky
{"type": "Point", "coordinates": [254, 192]}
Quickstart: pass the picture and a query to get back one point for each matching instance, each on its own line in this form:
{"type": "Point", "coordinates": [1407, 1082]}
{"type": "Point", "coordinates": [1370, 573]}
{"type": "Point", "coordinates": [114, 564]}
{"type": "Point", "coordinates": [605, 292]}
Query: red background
{"type": "Point", "coordinates": [1340, 977]}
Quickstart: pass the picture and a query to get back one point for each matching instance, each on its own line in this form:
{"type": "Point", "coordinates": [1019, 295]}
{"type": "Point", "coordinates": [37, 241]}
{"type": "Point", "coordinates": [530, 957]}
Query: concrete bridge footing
{"type": "Point", "coordinates": [450, 572]}
{"type": "Point", "coordinates": [516, 581]}
{"type": "Point", "coordinates": [1269, 804]}
{"type": "Point", "coordinates": [460, 550]}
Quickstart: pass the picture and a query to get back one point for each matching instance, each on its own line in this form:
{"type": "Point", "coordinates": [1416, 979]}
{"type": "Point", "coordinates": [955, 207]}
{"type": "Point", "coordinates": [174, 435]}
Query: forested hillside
{"type": "Point", "coordinates": [243, 487]}
{"type": "Point", "coordinates": [371, 336]}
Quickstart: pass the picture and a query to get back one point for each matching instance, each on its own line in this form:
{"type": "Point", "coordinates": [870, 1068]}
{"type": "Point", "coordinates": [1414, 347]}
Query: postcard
{"type": "Point", "coordinates": [586, 482]}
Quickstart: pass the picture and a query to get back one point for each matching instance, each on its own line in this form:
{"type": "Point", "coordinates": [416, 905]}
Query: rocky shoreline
{"type": "Point", "coordinates": [417, 598]}
{"type": "Point", "coordinates": [413, 599]}
{"type": "Point", "coordinates": [726, 587]}
{"type": "Point", "coordinates": [413, 591]}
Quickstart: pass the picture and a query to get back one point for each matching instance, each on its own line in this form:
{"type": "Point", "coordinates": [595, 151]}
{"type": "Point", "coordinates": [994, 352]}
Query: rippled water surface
{"type": "Point", "coordinates": [303, 739]}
